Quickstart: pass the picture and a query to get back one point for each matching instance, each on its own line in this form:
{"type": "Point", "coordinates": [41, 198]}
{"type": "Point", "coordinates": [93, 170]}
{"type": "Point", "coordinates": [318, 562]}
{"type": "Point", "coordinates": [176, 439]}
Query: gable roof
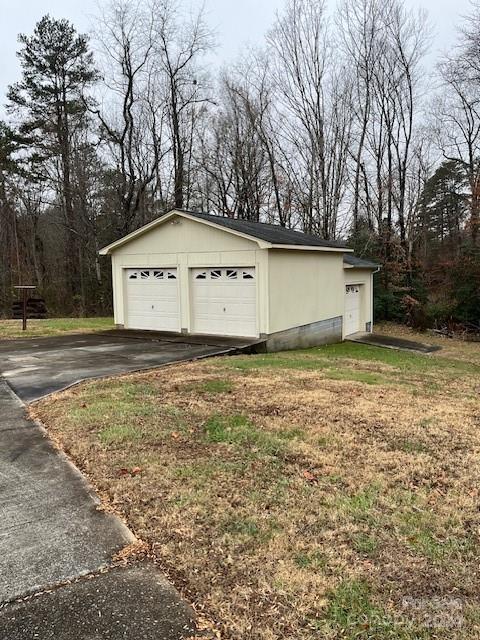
{"type": "Point", "coordinates": [272, 233]}
{"type": "Point", "coordinates": [268, 236]}
{"type": "Point", "coordinates": [353, 261]}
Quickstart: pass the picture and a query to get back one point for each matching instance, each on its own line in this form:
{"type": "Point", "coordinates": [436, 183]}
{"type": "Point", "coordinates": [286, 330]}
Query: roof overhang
{"type": "Point", "coordinates": [363, 267]}
{"type": "Point", "coordinates": [110, 248]}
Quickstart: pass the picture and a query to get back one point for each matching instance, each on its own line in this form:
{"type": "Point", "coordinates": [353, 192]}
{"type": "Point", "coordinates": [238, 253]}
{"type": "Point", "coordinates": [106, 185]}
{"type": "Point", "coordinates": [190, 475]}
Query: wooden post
{"type": "Point", "coordinates": [24, 316]}
{"type": "Point", "coordinates": [25, 289]}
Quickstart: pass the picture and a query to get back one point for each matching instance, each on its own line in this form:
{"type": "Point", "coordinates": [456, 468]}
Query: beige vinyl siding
{"type": "Point", "coordinates": [305, 287]}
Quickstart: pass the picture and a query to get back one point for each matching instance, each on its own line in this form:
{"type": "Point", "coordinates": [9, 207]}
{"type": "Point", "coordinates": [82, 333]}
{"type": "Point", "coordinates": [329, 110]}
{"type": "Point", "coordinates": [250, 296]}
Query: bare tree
{"type": "Point", "coordinates": [457, 114]}
{"type": "Point", "coordinates": [303, 72]}
{"type": "Point", "coordinates": [133, 108]}
{"type": "Point", "coordinates": [360, 24]}
{"type": "Point", "coordinates": [457, 110]}
{"type": "Point", "coordinates": [179, 45]}
{"type": "Point", "coordinates": [237, 163]}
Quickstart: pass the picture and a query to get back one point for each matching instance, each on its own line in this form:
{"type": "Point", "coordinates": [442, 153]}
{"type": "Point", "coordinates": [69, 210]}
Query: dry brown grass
{"type": "Point", "coordinates": [302, 495]}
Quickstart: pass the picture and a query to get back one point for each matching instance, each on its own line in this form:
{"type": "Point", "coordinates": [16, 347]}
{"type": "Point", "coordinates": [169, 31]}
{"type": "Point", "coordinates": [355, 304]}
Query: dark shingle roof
{"type": "Point", "coordinates": [275, 234]}
{"type": "Point", "coordinates": [354, 261]}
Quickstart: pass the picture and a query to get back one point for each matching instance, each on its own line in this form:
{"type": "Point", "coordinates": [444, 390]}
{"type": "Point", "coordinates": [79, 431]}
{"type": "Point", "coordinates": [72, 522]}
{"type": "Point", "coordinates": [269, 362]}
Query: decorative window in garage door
{"type": "Point", "coordinates": [352, 288]}
{"type": "Point", "coordinates": [232, 273]}
{"type": "Point", "coordinates": [152, 274]}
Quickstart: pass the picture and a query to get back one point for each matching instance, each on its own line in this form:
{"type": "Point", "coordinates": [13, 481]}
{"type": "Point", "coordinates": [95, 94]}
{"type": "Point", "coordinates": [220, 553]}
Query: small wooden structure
{"type": "Point", "coordinates": [36, 309]}
{"type": "Point", "coordinates": [24, 289]}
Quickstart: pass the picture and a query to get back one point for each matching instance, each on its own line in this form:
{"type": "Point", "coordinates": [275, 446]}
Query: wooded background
{"type": "Point", "coordinates": [335, 126]}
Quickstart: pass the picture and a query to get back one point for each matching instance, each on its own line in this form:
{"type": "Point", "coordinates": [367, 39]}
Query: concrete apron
{"type": "Point", "coordinates": [392, 342]}
{"type": "Point", "coordinates": [52, 532]}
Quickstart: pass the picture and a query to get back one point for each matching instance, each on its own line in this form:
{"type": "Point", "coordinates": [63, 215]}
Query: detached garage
{"type": "Point", "coordinates": [197, 273]}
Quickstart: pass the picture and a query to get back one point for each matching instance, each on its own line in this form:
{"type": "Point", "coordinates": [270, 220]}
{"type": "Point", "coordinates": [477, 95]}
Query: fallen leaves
{"type": "Point", "coordinates": [134, 471]}
{"type": "Point", "coordinates": [309, 476]}
{"type": "Point", "coordinates": [133, 551]}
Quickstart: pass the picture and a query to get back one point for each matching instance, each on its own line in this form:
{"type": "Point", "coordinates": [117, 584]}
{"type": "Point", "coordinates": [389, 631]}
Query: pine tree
{"type": "Point", "coordinates": [443, 210]}
{"type": "Point", "coordinates": [49, 102]}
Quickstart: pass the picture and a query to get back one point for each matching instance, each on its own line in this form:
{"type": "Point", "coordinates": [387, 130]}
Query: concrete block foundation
{"type": "Point", "coordinates": [308, 335]}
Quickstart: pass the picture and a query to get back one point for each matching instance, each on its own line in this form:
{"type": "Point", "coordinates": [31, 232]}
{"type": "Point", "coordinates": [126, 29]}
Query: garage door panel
{"type": "Point", "coordinates": [145, 309]}
{"type": "Point", "coordinates": [144, 303]}
{"type": "Point", "coordinates": [224, 301]}
{"type": "Point", "coordinates": [152, 299]}
{"type": "Point", "coordinates": [148, 298]}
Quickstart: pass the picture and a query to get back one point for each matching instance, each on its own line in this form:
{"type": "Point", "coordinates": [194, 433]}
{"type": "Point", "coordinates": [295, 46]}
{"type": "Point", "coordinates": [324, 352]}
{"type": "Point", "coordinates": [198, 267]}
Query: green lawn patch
{"type": "Point", "coordinates": [337, 359]}
{"type": "Point", "coordinates": [431, 537]}
{"type": "Point", "coordinates": [359, 505]}
{"type": "Point", "coordinates": [356, 376]}
{"type": "Point", "coordinates": [365, 544]}
{"type": "Point", "coordinates": [240, 431]}
{"type": "Point", "coordinates": [10, 329]}
{"type": "Point", "coordinates": [245, 528]}
{"type": "Point", "coordinates": [353, 613]}
{"type": "Point", "coordinates": [118, 434]}
{"type": "Point", "coordinates": [314, 560]}
{"type": "Point", "coordinates": [216, 386]}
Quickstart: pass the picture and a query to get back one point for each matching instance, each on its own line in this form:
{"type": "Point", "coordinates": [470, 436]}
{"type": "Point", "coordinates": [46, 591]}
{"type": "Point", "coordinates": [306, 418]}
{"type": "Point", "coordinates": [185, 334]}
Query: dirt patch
{"type": "Point", "coordinates": [286, 504]}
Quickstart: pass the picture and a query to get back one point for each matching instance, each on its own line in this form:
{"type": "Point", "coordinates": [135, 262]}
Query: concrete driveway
{"type": "Point", "coordinates": [55, 543]}
{"type": "Point", "coordinates": [50, 528]}
{"type": "Point", "coordinates": [37, 367]}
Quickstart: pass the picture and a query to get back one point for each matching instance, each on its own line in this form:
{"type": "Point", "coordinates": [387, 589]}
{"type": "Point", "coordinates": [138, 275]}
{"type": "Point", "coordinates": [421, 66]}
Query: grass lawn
{"type": "Point", "coordinates": [10, 329]}
{"type": "Point", "coordinates": [316, 494]}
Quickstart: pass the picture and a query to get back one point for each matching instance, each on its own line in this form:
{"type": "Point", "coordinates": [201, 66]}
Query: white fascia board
{"type": "Point", "coordinates": [138, 232]}
{"type": "Point", "coordinates": [302, 247]}
{"type": "Point", "coordinates": [362, 268]}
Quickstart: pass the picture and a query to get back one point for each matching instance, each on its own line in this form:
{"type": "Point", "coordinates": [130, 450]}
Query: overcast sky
{"type": "Point", "coordinates": [237, 22]}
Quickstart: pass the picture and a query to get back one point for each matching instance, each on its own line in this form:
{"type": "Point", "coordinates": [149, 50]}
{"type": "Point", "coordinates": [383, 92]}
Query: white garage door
{"type": "Point", "coordinates": [152, 299]}
{"type": "Point", "coordinates": [224, 301]}
{"type": "Point", "coordinates": [352, 309]}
